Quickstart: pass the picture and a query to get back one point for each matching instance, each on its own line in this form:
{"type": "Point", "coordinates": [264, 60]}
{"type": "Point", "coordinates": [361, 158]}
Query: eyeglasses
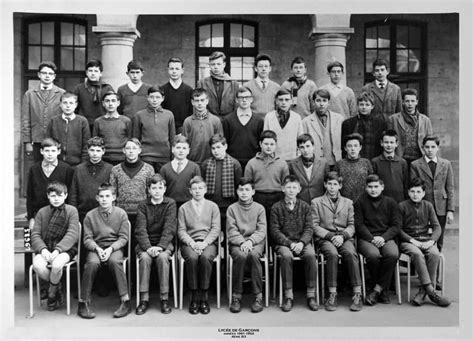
{"type": "Point", "coordinates": [244, 97]}
{"type": "Point", "coordinates": [45, 73]}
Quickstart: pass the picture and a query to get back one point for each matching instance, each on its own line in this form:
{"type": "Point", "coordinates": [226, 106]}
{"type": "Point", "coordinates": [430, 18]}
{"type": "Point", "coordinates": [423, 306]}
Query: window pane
{"type": "Point", "coordinates": [402, 36]}
{"type": "Point", "coordinates": [34, 57]}
{"type": "Point", "coordinates": [47, 53]}
{"type": "Point", "coordinates": [67, 61]}
{"type": "Point", "coordinates": [402, 60]}
{"type": "Point", "coordinates": [236, 67]}
{"type": "Point", "coordinates": [384, 37]}
{"type": "Point", "coordinates": [34, 34]}
{"type": "Point", "coordinates": [247, 72]}
{"type": "Point", "coordinates": [47, 33]}
{"type": "Point", "coordinates": [205, 36]}
{"type": "Point", "coordinates": [235, 35]}
{"type": "Point", "coordinates": [217, 35]}
{"type": "Point", "coordinates": [385, 55]}
{"type": "Point", "coordinates": [203, 67]}
{"type": "Point", "coordinates": [67, 34]}
{"type": "Point", "coordinates": [371, 37]}
{"type": "Point", "coordinates": [249, 36]}
{"type": "Point", "coordinates": [370, 57]}
{"type": "Point", "coordinates": [414, 64]}
{"type": "Point", "coordinates": [415, 37]}
{"type": "Point", "coordinates": [79, 35]}
{"type": "Point", "coordinates": [79, 59]}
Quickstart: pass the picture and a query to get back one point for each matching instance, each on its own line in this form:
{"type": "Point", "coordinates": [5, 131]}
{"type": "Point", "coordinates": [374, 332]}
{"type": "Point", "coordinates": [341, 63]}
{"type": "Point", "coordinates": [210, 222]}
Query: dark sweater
{"type": "Point", "coordinates": [115, 131]}
{"type": "Point", "coordinates": [178, 101]}
{"type": "Point", "coordinates": [36, 196]}
{"type": "Point", "coordinates": [132, 102]}
{"type": "Point", "coordinates": [177, 185]}
{"type": "Point", "coordinates": [354, 173]}
{"type": "Point", "coordinates": [376, 217]}
{"type": "Point", "coordinates": [417, 219]}
{"type": "Point", "coordinates": [73, 137]}
{"type": "Point", "coordinates": [242, 140]}
{"type": "Point", "coordinates": [287, 226]}
{"type": "Point", "coordinates": [87, 178]}
{"type": "Point", "coordinates": [156, 225]}
{"type": "Point", "coordinates": [394, 174]}
{"type": "Point", "coordinates": [85, 102]}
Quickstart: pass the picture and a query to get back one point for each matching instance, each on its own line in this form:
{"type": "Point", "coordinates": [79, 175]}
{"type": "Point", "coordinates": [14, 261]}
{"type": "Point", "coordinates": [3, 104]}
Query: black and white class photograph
{"type": "Point", "coordinates": [237, 170]}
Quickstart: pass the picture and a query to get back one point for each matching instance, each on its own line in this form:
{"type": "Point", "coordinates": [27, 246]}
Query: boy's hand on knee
{"type": "Point", "coordinates": [426, 245]}
{"type": "Point", "coordinates": [378, 241]}
{"type": "Point", "coordinates": [416, 243]}
{"type": "Point", "coordinates": [106, 254]}
{"type": "Point", "coordinates": [54, 254]}
{"type": "Point", "coordinates": [46, 255]}
{"type": "Point", "coordinates": [298, 248]}
{"type": "Point", "coordinates": [246, 246]}
{"type": "Point", "coordinates": [31, 224]}
{"type": "Point", "coordinates": [450, 217]}
{"type": "Point", "coordinates": [337, 240]}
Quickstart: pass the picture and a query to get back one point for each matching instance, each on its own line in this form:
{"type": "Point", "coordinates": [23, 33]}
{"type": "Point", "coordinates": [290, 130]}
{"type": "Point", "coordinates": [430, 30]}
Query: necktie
{"type": "Point", "coordinates": [323, 120]}
{"type": "Point", "coordinates": [291, 205]}
{"type": "Point", "coordinates": [381, 86]}
{"type": "Point", "coordinates": [180, 167]}
{"type": "Point", "coordinates": [432, 166]}
{"type": "Point", "coordinates": [263, 85]}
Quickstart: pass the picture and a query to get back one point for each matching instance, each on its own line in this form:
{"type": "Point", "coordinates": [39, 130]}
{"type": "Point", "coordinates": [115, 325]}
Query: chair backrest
{"type": "Point", "coordinates": [129, 243]}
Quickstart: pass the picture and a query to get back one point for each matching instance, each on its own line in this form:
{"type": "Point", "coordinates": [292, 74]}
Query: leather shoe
{"type": "Point", "coordinates": [419, 298]}
{"type": "Point", "coordinates": [372, 298]}
{"type": "Point", "coordinates": [52, 303]}
{"type": "Point", "coordinates": [257, 306]}
{"type": "Point", "coordinates": [85, 311]}
{"type": "Point", "coordinates": [384, 298]}
{"type": "Point", "coordinates": [204, 307]}
{"type": "Point", "coordinates": [312, 304]}
{"type": "Point", "coordinates": [43, 293]}
{"type": "Point", "coordinates": [287, 305]}
{"type": "Point", "coordinates": [193, 307]}
{"type": "Point", "coordinates": [123, 310]}
{"type": "Point", "coordinates": [165, 307]}
{"type": "Point", "coordinates": [142, 308]}
{"type": "Point", "coordinates": [235, 306]}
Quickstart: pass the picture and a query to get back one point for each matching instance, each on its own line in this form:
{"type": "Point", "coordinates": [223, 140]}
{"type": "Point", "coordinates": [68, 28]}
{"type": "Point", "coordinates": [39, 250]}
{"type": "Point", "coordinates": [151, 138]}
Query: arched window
{"type": "Point", "coordinates": [403, 45]}
{"type": "Point", "coordinates": [61, 40]}
{"type": "Point", "coordinates": [239, 42]}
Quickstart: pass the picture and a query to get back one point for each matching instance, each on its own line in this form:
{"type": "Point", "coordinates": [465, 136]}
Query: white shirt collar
{"type": "Point", "coordinates": [384, 83]}
{"type": "Point", "coordinates": [71, 117]}
{"type": "Point", "coordinates": [46, 87]}
{"type": "Point", "coordinates": [335, 86]}
{"type": "Point", "coordinates": [134, 87]}
{"type": "Point", "coordinates": [428, 159]}
{"type": "Point", "coordinates": [243, 113]}
{"type": "Point", "coordinates": [114, 115]}
{"type": "Point", "coordinates": [176, 84]}
{"type": "Point", "coordinates": [174, 163]}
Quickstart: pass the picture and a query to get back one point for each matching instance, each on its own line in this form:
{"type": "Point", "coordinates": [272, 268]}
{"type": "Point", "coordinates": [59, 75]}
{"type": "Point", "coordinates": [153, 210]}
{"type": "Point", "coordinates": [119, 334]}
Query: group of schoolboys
{"type": "Point", "coordinates": [223, 132]}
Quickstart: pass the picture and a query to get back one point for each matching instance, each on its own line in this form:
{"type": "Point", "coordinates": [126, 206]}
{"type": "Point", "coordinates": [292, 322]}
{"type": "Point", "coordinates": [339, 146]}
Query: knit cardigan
{"type": "Point", "coordinates": [204, 227]}
{"type": "Point", "coordinates": [416, 221]}
{"type": "Point", "coordinates": [246, 223]}
{"type": "Point", "coordinates": [69, 241]}
{"type": "Point", "coordinates": [294, 226]}
{"type": "Point", "coordinates": [130, 191]}
{"type": "Point", "coordinates": [286, 147]}
{"type": "Point", "coordinates": [104, 233]}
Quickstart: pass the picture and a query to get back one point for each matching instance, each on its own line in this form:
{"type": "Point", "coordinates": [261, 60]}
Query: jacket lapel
{"type": "Point", "coordinates": [439, 167]}
{"type": "Point", "coordinates": [424, 166]}
{"type": "Point", "coordinates": [316, 127]}
{"type": "Point", "coordinates": [210, 85]}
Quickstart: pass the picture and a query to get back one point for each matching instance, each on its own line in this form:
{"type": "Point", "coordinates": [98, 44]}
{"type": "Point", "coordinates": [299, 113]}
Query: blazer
{"type": "Point", "coordinates": [228, 96]}
{"type": "Point", "coordinates": [440, 188]}
{"type": "Point", "coordinates": [328, 222]}
{"type": "Point", "coordinates": [397, 123]}
{"type": "Point", "coordinates": [310, 126]}
{"type": "Point", "coordinates": [314, 186]}
{"type": "Point", "coordinates": [387, 102]}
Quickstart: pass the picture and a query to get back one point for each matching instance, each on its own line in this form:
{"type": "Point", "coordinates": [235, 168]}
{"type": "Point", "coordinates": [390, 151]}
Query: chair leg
{"type": "Point", "coordinates": [397, 283]}
{"type": "Point", "coordinates": [78, 275]}
{"type": "Point", "coordinates": [68, 289]}
{"type": "Point", "coordinates": [280, 296]}
{"type": "Point", "coordinates": [408, 279]}
{"type": "Point", "coordinates": [317, 282]}
{"type": "Point", "coordinates": [275, 268]}
{"type": "Point", "coordinates": [38, 290]}
{"type": "Point", "coordinates": [267, 284]}
{"type": "Point", "coordinates": [362, 275]}
{"type": "Point", "coordinates": [175, 286]}
{"type": "Point", "coordinates": [138, 281]}
{"type": "Point", "coordinates": [229, 279]}
{"type": "Point", "coordinates": [442, 273]}
{"type": "Point", "coordinates": [323, 288]}
{"type": "Point", "coordinates": [218, 279]}
{"type": "Point", "coordinates": [181, 280]}
{"type": "Point", "coordinates": [30, 275]}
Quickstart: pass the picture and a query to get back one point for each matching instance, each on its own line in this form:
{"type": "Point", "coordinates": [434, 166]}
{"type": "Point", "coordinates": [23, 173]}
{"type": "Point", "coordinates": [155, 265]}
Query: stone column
{"type": "Point", "coordinates": [330, 34]}
{"type": "Point", "coordinates": [117, 35]}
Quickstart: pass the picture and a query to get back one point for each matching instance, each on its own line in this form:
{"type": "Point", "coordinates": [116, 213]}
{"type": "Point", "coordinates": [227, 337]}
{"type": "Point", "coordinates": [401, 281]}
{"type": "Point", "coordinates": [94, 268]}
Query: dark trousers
{"type": "Point", "coordinates": [380, 262]}
{"type": "Point", "coordinates": [252, 259]}
{"type": "Point", "coordinates": [350, 259]}
{"type": "Point", "coordinates": [93, 263]}
{"type": "Point", "coordinates": [198, 267]}
{"type": "Point", "coordinates": [442, 222]}
{"type": "Point", "coordinates": [267, 200]}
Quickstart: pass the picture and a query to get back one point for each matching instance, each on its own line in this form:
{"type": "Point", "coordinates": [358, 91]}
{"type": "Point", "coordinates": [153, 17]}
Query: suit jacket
{"type": "Point", "coordinates": [36, 113]}
{"type": "Point", "coordinates": [228, 96]}
{"type": "Point", "coordinates": [314, 186]}
{"type": "Point", "coordinates": [397, 123]}
{"type": "Point", "coordinates": [311, 126]}
{"type": "Point", "coordinates": [440, 188]}
{"type": "Point", "coordinates": [387, 101]}
{"type": "Point", "coordinates": [328, 222]}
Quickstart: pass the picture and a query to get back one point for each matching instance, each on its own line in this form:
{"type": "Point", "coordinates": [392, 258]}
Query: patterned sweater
{"type": "Point", "coordinates": [354, 173]}
{"type": "Point", "coordinates": [294, 226]}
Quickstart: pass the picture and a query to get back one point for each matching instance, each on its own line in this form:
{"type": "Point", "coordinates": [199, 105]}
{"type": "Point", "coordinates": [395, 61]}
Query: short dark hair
{"type": "Point", "coordinates": [409, 91]}
{"type": "Point", "coordinates": [50, 142]}
{"type": "Point", "coordinates": [246, 181]}
{"type": "Point", "coordinates": [389, 132]}
{"type": "Point", "coordinates": [49, 64]}
{"type": "Point", "coordinates": [57, 187]}
{"type": "Point", "coordinates": [198, 92]}
{"type": "Point", "coordinates": [216, 55]}
{"type": "Point", "coordinates": [290, 178]}
{"type": "Point", "coordinates": [281, 92]}
{"type": "Point", "coordinates": [109, 93]}
{"type": "Point", "coordinates": [134, 65]}
{"type": "Point", "coordinates": [373, 178]}
{"type": "Point", "coordinates": [133, 140]}
{"type": "Point", "coordinates": [379, 62]}
{"type": "Point", "coordinates": [197, 180]}
{"type": "Point", "coordinates": [335, 64]}
{"type": "Point", "coordinates": [179, 139]}
{"type": "Point", "coordinates": [262, 57]}
{"type": "Point", "coordinates": [106, 186]}
{"type": "Point", "coordinates": [217, 138]}
{"type": "Point", "coordinates": [243, 89]}
{"type": "Point", "coordinates": [96, 141]}
{"type": "Point", "coordinates": [175, 60]}
{"type": "Point", "coordinates": [417, 182]}
{"type": "Point", "coordinates": [433, 138]}
{"type": "Point", "coordinates": [95, 63]}
{"type": "Point", "coordinates": [156, 179]}
{"type": "Point", "coordinates": [333, 175]}
{"type": "Point", "coordinates": [68, 94]}
{"type": "Point", "coordinates": [298, 60]}
{"type": "Point", "coordinates": [267, 134]}
{"type": "Point", "coordinates": [322, 93]}
{"type": "Point", "coordinates": [303, 138]}
{"type": "Point", "coordinates": [155, 88]}
{"type": "Point", "coordinates": [366, 97]}
{"type": "Point", "coordinates": [353, 136]}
